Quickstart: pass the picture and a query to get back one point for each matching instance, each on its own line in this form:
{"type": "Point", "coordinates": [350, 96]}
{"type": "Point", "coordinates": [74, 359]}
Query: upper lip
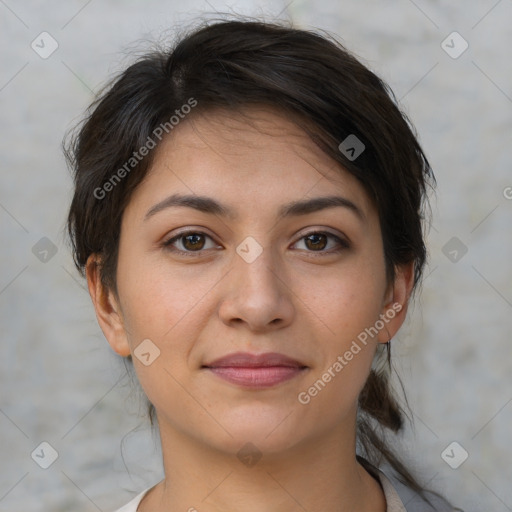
{"type": "Point", "coordinates": [247, 360]}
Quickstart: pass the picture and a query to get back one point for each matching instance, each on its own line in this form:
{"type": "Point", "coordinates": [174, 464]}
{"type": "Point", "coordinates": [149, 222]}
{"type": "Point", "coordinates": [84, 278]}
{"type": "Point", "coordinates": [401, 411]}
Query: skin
{"type": "Point", "coordinates": [296, 298]}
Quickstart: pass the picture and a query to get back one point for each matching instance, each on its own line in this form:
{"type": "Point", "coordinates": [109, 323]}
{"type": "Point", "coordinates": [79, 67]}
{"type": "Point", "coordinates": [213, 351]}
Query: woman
{"type": "Point", "coordinates": [248, 213]}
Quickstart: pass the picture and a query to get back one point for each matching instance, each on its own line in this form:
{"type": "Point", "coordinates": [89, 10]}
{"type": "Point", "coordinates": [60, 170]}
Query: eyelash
{"type": "Point", "coordinates": [344, 244]}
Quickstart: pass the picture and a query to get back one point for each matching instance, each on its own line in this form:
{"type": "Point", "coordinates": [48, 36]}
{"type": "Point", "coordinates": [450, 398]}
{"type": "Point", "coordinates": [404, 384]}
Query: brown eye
{"type": "Point", "coordinates": [193, 242]}
{"type": "Point", "coordinates": [189, 242]}
{"type": "Point", "coordinates": [316, 241]}
{"type": "Point", "coordinates": [323, 243]}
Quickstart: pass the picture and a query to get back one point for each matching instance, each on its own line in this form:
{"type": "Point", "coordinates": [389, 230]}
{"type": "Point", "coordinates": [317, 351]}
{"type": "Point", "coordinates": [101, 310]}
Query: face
{"type": "Point", "coordinates": [230, 247]}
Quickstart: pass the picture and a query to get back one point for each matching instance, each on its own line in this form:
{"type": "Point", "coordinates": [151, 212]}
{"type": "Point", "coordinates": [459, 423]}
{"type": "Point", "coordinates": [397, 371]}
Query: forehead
{"type": "Point", "coordinates": [254, 132]}
{"type": "Point", "coordinates": [249, 122]}
{"type": "Point", "coordinates": [255, 155]}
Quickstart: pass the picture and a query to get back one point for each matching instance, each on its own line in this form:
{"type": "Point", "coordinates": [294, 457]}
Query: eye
{"type": "Point", "coordinates": [317, 241]}
{"type": "Point", "coordinates": [190, 242]}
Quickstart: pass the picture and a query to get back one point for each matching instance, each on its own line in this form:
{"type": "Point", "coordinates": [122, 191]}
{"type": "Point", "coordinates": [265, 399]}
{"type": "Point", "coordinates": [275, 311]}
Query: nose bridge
{"type": "Point", "coordinates": [256, 266]}
{"type": "Point", "coordinates": [257, 293]}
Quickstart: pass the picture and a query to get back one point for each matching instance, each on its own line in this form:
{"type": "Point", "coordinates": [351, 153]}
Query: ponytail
{"type": "Point", "coordinates": [379, 410]}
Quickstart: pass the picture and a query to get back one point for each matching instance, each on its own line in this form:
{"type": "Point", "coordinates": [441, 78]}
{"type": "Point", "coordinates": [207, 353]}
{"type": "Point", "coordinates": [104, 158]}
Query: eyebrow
{"type": "Point", "coordinates": [295, 208]}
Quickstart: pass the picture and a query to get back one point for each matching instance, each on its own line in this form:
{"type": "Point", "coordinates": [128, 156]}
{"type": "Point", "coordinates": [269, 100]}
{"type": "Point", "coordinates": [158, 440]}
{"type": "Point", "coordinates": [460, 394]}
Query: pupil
{"type": "Point", "coordinates": [193, 243]}
{"type": "Point", "coordinates": [316, 243]}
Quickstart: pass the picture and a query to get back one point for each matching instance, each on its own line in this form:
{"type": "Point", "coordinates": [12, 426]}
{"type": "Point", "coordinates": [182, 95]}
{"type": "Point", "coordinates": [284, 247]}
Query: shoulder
{"type": "Point", "coordinates": [401, 498]}
{"type": "Point", "coordinates": [133, 504]}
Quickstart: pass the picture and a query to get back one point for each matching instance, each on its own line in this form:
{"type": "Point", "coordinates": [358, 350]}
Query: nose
{"type": "Point", "coordinates": [257, 294]}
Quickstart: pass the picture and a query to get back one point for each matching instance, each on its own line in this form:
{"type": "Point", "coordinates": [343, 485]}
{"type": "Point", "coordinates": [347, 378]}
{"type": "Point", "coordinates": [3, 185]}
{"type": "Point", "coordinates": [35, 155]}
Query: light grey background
{"type": "Point", "coordinates": [59, 380]}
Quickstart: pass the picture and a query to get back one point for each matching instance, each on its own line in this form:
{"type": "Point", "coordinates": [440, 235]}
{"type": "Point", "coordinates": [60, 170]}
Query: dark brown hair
{"type": "Point", "coordinates": [303, 74]}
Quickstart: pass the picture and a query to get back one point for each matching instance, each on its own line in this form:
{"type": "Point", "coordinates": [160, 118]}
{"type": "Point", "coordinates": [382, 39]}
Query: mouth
{"type": "Point", "coordinates": [256, 370]}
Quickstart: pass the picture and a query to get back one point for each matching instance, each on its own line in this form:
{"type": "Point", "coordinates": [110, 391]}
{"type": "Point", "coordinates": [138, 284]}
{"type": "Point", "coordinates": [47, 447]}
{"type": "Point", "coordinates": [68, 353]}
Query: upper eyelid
{"type": "Point", "coordinates": [187, 232]}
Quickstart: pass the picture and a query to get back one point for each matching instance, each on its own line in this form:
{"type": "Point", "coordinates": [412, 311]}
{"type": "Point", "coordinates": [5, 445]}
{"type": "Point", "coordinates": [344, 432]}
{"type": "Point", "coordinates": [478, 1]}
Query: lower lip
{"type": "Point", "coordinates": [259, 377]}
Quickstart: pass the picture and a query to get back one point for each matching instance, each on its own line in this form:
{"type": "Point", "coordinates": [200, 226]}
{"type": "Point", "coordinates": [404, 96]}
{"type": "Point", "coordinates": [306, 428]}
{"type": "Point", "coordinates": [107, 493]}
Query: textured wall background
{"type": "Point", "coordinates": [60, 382]}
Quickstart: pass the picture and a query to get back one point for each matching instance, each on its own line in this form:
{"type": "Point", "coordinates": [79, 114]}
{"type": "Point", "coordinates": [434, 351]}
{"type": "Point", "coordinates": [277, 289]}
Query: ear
{"type": "Point", "coordinates": [396, 301]}
{"type": "Point", "coordinates": [107, 308]}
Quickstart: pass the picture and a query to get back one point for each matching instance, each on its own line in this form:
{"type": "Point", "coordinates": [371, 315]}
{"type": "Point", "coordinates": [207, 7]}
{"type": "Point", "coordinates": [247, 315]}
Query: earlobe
{"type": "Point", "coordinates": [107, 309]}
{"type": "Point", "coordinates": [396, 303]}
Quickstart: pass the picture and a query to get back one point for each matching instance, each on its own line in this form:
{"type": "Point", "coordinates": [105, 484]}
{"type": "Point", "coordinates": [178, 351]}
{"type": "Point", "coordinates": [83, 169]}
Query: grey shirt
{"type": "Point", "coordinates": [400, 498]}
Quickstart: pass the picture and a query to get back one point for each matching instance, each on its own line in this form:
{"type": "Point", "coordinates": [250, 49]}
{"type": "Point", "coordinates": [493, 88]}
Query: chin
{"type": "Point", "coordinates": [271, 431]}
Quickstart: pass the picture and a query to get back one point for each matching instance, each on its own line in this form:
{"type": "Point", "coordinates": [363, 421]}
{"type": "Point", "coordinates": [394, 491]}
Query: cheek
{"type": "Point", "coordinates": [157, 300]}
{"type": "Point", "coordinates": [346, 305]}
{"type": "Point", "coordinates": [345, 301]}
{"type": "Point", "coordinates": [163, 308]}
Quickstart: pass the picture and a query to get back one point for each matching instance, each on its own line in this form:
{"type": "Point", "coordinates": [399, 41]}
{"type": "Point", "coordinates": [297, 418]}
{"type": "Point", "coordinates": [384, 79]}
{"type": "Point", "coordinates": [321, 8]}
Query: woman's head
{"type": "Point", "coordinates": [285, 146]}
{"type": "Point", "coordinates": [232, 65]}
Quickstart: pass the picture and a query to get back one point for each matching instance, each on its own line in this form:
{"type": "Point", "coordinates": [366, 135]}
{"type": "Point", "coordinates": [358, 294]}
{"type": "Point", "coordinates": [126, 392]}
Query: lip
{"type": "Point", "coordinates": [256, 370]}
{"type": "Point", "coordinates": [248, 360]}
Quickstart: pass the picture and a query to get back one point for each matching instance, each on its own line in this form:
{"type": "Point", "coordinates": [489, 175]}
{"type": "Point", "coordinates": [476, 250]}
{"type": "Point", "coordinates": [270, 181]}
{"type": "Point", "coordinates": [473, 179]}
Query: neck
{"type": "Point", "coordinates": [320, 474]}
